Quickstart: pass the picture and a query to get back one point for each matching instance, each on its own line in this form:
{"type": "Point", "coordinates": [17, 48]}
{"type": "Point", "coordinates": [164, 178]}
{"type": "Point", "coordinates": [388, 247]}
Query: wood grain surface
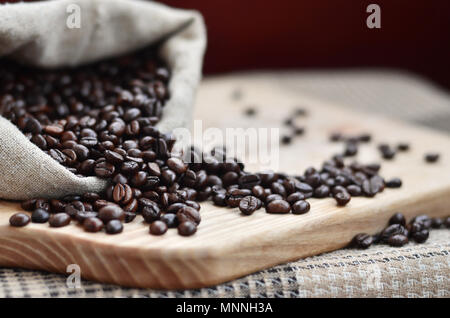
{"type": "Point", "coordinates": [227, 244]}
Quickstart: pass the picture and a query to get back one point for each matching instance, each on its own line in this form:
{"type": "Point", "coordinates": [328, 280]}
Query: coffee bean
{"type": "Point", "coordinates": [436, 223]}
{"type": "Point", "coordinates": [431, 157]}
{"type": "Point", "coordinates": [394, 183]}
{"type": "Point", "coordinates": [158, 228]}
{"type": "Point", "coordinates": [81, 216]}
{"type": "Point", "coordinates": [403, 146]}
{"type": "Point", "coordinates": [114, 227]}
{"type": "Point", "coordinates": [93, 224]}
{"type": "Point", "coordinates": [362, 241]}
{"type": "Point", "coordinates": [420, 236]}
{"type": "Point", "coordinates": [398, 218]}
{"type": "Point", "coordinates": [278, 206]}
{"type": "Point", "coordinates": [300, 207]}
{"type": "Point", "coordinates": [249, 204]}
{"type": "Point", "coordinates": [40, 216]}
{"type": "Point", "coordinates": [354, 190]}
{"type": "Point", "coordinates": [19, 219]}
{"type": "Point", "coordinates": [250, 111]}
{"type": "Point", "coordinates": [294, 197]}
{"type": "Point", "coordinates": [104, 169]}
{"type": "Point", "coordinates": [321, 192]}
{"type": "Point", "coordinates": [170, 219]}
{"type": "Point", "coordinates": [177, 165]}
{"type": "Point", "coordinates": [188, 214]}
{"type": "Point", "coordinates": [425, 220]}
{"type": "Point", "coordinates": [342, 198]}
{"type": "Point", "coordinates": [28, 205]}
{"type": "Point", "coordinates": [392, 230]}
{"type": "Point", "coordinates": [397, 240]}
{"type": "Point", "coordinates": [351, 149]}
{"type": "Point", "coordinates": [59, 220]}
{"type": "Point", "coordinates": [249, 181]}
{"type": "Point", "coordinates": [111, 212]}
{"type": "Point", "coordinates": [150, 210]}
{"type": "Point", "coordinates": [187, 228]}
{"type": "Point", "coordinates": [285, 140]}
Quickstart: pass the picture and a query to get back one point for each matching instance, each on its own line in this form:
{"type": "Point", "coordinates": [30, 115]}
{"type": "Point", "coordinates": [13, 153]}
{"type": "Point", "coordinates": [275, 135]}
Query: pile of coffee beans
{"type": "Point", "coordinates": [99, 120]}
{"type": "Point", "coordinates": [397, 233]}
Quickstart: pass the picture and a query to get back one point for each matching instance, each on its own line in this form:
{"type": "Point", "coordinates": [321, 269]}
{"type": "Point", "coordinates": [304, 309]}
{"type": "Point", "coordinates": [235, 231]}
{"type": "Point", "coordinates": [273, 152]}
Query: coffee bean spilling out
{"type": "Point", "coordinates": [397, 233]}
{"type": "Point", "coordinates": [99, 120]}
{"type": "Point", "coordinates": [295, 130]}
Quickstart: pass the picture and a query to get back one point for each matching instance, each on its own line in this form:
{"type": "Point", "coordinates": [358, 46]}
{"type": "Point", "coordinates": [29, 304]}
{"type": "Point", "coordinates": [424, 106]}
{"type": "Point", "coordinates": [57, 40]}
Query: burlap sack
{"type": "Point", "coordinates": [43, 34]}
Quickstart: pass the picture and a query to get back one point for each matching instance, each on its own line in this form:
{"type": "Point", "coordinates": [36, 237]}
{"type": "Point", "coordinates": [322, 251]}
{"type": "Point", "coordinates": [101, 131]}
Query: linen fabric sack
{"type": "Point", "coordinates": [47, 34]}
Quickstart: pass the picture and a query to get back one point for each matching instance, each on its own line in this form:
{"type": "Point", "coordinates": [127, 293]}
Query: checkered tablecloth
{"type": "Point", "coordinates": [415, 270]}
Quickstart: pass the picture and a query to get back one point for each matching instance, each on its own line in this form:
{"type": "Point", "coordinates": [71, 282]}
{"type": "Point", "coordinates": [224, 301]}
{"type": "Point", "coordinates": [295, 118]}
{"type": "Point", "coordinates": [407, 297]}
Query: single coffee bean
{"type": "Point", "coordinates": [362, 241]}
{"type": "Point", "coordinates": [19, 219]}
{"type": "Point", "coordinates": [420, 236]}
{"type": "Point", "coordinates": [81, 216]}
{"type": "Point", "coordinates": [397, 240]}
{"type": "Point", "coordinates": [394, 183]}
{"type": "Point", "coordinates": [354, 190]}
{"type": "Point", "coordinates": [158, 228]}
{"type": "Point", "coordinates": [342, 198]}
{"type": "Point", "coordinates": [403, 146]}
{"type": "Point", "coordinates": [28, 205]}
{"type": "Point", "coordinates": [286, 140]}
{"type": "Point", "coordinates": [436, 223]}
{"type": "Point", "coordinates": [59, 220]}
{"type": "Point", "coordinates": [398, 218]}
{"type": "Point", "coordinates": [170, 219]}
{"type": "Point", "coordinates": [294, 197]}
{"type": "Point", "coordinates": [278, 206]}
{"type": "Point", "coordinates": [111, 212]}
{"type": "Point", "coordinates": [188, 214]}
{"type": "Point", "coordinates": [392, 230]}
{"type": "Point", "coordinates": [40, 216]}
{"type": "Point", "coordinates": [93, 225]}
{"type": "Point", "coordinates": [249, 204]}
{"type": "Point", "coordinates": [250, 111]}
{"type": "Point", "coordinates": [187, 228]}
{"type": "Point", "coordinates": [431, 157]}
{"type": "Point", "coordinates": [249, 181]}
{"type": "Point", "coordinates": [177, 165]}
{"type": "Point", "coordinates": [300, 207]}
{"type": "Point", "coordinates": [114, 227]}
{"type": "Point", "coordinates": [104, 169]}
{"type": "Point", "coordinates": [423, 219]}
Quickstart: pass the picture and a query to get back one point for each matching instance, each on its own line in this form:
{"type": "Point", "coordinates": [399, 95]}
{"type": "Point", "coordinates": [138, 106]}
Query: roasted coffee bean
{"type": "Point", "coordinates": [420, 236]}
{"type": "Point", "coordinates": [19, 219]}
{"type": "Point", "coordinates": [250, 111]}
{"type": "Point", "coordinates": [187, 228]}
{"type": "Point", "coordinates": [28, 205]}
{"type": "Point", "coordinates": [425, 220]}
{"type": "Point", "coordinates": [391, 230]}
{"type": "Point", "coordinates": [397, 240]}
{"type": "Point", "coordinates": [170, 219]}
{"type": "Point", "coordinates": [294, 197]}
{"type": "Point", "coordinates": [150, 210]}
{"type": "Point", "coordinates": [394, 183]}
{"type": "Point", "coordinates": [129, 216]}
{"type": "Point", "coordinates": [249, 204]}
{"type": "Point", "coordinates": [403, 146]}
{"type": "Point", "coordinates": [40, 216]}
{"type": "Point", "coordinates": [83, 215]}
{"type": "Point", "coordinates": [104, 169]}
{"type": "Point", "coordinates": [300, 207]}
{"type": "Point", "coordinates": [286, 140]}
{"type": "Point", "coordinates": [273, 197]}
{"type": "Point", "coordinates": [342, 198]}
{"type": "Point", "coordinates": [249, 181]}
{"type": "Point", "coordinates": [398, 218]}
{"type": "Point", "coordinates": [113, 157]}
{"type": "Point", "coordinates": [188, 214]}
{"type": "Point", "coordinates": [372, 186]}
{"type": "Point", "coordinates": [114, 227]}
{"type": "Point", "coordinates": [362, 241]}
{"type": "Point", "coordinates": [111, 212]}
{"type": "Point", "coordinates": [336, 137]}
{"type": "Point", "coordinates": [177, 165]}
{"type": "Point", "coordinates": [93, 224]}
{"type": "Point", "coordinates": [436, 223]}
{"type": "Point", "coordinates": [278, 206]}
{"type": "Point", "coordinates": [321, 192]}
{"type": "Point", "coordinates": [59, 220]}
{"type": "Point", "coordinates": [354, 190]}
{"type": "Point", "coordinates": [351, 149]}
{"type": "Point", "coordinates": [220, 199]}
{"type": "Point", "coordinates": [74, 207]}
{"type": "Point", "coordinates": [388, 153]}
{"type": "Point", "coordinates": [447, 222]}
{"type": "Point", "coordinates": [158, 228]}
{"type": "Point", "coordinates": [431, 157]}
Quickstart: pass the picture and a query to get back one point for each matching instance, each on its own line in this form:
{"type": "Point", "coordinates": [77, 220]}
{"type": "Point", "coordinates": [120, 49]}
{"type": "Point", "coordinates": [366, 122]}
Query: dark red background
{"type": "Point", "coordinates": [256, 34]}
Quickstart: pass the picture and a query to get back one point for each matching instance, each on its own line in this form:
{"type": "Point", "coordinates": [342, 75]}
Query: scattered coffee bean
{"type": "Point", "coordinates": [93, 225]}
{"type": "Point", "coordinates": [394, 183]}
{"type": "Point", "coordinates": [342, 198]}
{"type": "Point", "coordinates": [250, 111]}
{"type": "Point", "coordinates": [111, 212]}
{"type": "Point", "coordinates": [431, 157]}
{"type": "Point", "coordinates": [300, 207]}
{"type": "Point", "coordinates": [187, 228]}
{"type": "Point", "coordinates": [397, 218]}
{"type": "Point", "coordinates": [397, 240]}
{"type": "Point", "coordinates": [362, 241]}
{"type": "Point", "coordinates": [19, 219]}
{"type": "Point", "coordinates": [278, 206]}
{"type": "Point", "coordinates": [158, 228]}
{"type": "Point", "coordinates": [40, 216]}
{"type": "Point", "coordinates": [114, 227]}
{"type": "Point", "coordinates": [249, 204]}
{"type": "Point", "coordinates": [59, 220]}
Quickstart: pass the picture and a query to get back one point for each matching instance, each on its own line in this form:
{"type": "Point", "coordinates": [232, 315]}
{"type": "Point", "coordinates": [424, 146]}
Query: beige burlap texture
{"type": "Point", "coordinates": [46, 34]}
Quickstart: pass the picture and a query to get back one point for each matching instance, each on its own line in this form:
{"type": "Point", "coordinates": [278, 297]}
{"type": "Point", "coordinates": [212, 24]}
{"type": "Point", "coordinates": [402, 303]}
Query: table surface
{"type": "Point", "coordinates": [379, 271]}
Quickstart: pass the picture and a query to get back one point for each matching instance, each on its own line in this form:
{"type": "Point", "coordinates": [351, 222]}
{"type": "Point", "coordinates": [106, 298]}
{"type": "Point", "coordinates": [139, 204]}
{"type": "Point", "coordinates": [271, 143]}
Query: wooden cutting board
{"type": "Point", "coordinates": [228, 245]}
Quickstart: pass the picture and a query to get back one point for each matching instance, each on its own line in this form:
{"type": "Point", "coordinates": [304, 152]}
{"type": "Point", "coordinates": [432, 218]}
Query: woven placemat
{"type": "Point", "coordinates": [415, 270]}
